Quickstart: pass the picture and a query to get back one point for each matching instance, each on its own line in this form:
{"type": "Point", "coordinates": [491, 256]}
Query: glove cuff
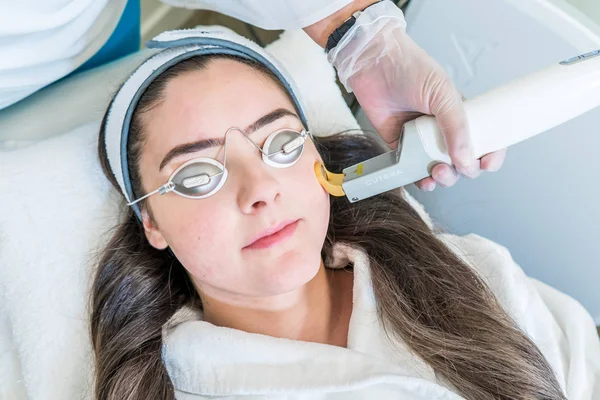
{"type": "Point", "coordinates": [364, 26]}
{"type": "Point", "coordinates": [337, 34]}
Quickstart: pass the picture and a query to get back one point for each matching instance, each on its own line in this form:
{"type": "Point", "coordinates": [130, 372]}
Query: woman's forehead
{"type": "Point", "coordinates": [225, 77]}
{"type": "Point", "coordinates": [225, 93]}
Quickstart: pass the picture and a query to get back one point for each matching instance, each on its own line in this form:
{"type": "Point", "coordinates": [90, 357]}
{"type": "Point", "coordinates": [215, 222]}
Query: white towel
{"type": "Point", "coordinates": [205, 360]}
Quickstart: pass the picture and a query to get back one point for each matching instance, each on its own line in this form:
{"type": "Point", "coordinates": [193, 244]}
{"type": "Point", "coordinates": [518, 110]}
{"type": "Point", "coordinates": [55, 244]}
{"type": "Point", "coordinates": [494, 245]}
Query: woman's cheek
{"type": "Point", "coordinates": [309, 195]}
{"type": "Point", "coordinates": [200, 234]}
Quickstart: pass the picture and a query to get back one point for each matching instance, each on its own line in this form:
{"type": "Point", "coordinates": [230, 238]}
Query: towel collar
{"type": "Point", "coordinates": [204, 359]}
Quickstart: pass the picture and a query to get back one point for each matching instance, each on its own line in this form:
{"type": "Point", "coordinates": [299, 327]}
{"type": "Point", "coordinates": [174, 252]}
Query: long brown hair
{"type": "Point", "coordinates": [426, 295]}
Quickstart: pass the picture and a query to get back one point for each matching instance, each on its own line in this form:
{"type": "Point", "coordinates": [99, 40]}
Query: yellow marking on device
{"type": "Point", "coordinates": [359, 170]}
{"type": "Point", "coordinates": [331, 182]}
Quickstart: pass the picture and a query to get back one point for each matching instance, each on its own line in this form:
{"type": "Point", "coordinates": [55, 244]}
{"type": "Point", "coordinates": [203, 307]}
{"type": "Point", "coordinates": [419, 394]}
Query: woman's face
{"type": "Point", "coordinates": [212, 237]}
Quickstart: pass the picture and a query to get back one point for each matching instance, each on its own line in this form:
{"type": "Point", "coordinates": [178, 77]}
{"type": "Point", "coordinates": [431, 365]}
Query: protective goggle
{"type": "Point", "coordinates": [202, 177]}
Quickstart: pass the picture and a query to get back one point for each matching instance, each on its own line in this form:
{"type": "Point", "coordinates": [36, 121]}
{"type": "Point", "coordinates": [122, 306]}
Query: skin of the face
{"type": "Point", "coordinates": [210, 236]}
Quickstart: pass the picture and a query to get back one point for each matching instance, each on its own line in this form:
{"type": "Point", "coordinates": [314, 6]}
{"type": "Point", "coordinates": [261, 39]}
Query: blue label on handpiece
{"type": "Point", "coordinates": [582, 57]}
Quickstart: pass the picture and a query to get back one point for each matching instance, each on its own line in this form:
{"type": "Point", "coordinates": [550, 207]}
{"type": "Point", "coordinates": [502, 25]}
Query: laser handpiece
{"type": "Point", "coordinates": [499, 118]}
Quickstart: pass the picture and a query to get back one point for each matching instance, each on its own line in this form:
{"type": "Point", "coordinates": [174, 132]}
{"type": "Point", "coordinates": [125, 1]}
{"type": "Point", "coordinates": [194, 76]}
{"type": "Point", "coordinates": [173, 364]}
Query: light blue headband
{"type": "Point", "coordinates": [178, 46]}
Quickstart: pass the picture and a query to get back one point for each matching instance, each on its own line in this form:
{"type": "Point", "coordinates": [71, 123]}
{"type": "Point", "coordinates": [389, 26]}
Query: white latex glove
{"type": "Point", "coordinates": [395, 81]}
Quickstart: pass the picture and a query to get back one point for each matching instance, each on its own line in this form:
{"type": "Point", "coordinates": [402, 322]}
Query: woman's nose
{"type": "Point", "coordinates": [258, 189]}
{"type": "Point", "coordinates": [257, 186]}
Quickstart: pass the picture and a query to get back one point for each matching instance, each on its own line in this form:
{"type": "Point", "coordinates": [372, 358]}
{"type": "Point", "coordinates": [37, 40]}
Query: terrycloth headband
{"type": "Point", "coordinates": [178, 46]}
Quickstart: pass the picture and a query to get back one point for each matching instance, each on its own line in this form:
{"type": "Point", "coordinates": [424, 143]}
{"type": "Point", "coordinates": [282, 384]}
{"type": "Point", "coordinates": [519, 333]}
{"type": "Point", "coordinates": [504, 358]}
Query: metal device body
{"type": "Point", "coordinates": [497, 119]}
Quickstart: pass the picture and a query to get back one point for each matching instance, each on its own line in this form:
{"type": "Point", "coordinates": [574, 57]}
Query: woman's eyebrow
{"type": "Point", "coordinates": [202, 144]}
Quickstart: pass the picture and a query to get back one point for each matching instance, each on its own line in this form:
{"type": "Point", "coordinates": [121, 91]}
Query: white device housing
{"type": "Point", "coordinates": [542, 205]}
{"type": "Point", "coordinates": [522, 108]}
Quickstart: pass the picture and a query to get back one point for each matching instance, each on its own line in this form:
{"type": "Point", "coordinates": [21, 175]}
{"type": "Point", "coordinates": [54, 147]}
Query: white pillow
{"type": "Point", "coordinates": [57, 210]}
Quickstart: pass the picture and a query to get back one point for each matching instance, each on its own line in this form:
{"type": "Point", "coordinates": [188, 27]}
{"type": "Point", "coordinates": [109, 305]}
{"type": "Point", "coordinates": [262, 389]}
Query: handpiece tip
{"type": "Point", "coordinates": [331, 182]}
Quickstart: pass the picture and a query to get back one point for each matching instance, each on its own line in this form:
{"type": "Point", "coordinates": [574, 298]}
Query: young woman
{"type": "Point", "coordinates": [249, 281]}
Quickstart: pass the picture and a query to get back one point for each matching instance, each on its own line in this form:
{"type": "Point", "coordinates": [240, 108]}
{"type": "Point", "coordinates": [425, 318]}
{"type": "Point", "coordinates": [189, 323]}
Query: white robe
{"type": "Point", "coordinates": [206, 361]}
{"type": "Point", "coordinates": [269, 14]}
{"type": "Point", "coordinates": [42, 41]}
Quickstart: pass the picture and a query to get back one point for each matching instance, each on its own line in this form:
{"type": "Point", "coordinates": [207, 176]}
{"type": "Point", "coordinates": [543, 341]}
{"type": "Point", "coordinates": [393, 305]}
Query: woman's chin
{"type": "Point", "coordinates": [290, 271]}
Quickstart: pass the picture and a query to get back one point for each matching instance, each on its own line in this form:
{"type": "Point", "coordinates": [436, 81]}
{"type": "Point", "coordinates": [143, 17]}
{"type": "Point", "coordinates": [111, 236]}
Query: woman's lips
{"type": "Point", "coordinates": [275, 238]}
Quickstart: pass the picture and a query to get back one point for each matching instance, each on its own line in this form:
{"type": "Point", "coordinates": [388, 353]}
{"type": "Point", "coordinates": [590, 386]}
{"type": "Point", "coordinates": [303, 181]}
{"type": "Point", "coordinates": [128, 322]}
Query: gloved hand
{"type": "Point", "coordinates": [395, 81]}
